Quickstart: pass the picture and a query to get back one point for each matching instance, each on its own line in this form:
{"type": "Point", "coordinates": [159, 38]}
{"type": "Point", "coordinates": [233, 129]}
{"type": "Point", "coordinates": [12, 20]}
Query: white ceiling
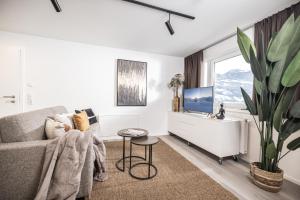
{"type": "Point", "coordinates": [119, 24]}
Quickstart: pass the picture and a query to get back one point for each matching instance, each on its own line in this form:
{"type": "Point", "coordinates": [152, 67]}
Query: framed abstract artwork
{"type": "Point", "coordinates": [131, 83]}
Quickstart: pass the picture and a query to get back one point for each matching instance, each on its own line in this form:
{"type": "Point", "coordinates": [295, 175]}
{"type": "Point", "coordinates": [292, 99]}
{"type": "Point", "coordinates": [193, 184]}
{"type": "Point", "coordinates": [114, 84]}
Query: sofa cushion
{"type": "Point", "coordinates": [65, 118]}
{"type": "Point", "coordinates": [54, 129]}
{"type": "Point", "coordinates": [90, 113]}
{"type": "Point", "coordinates": [81, 121]}
{"type": "Point", "coordinates": [27, 126]}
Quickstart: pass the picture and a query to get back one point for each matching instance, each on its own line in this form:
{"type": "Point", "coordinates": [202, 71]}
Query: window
{"type": "Point", "coordinates": [230, 75]}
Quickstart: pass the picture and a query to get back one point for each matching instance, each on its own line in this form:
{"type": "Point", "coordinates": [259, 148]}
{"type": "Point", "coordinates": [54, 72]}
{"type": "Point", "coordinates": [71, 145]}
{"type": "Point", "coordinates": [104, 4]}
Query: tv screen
{"type": "Point", "coordinates": [198, 99]}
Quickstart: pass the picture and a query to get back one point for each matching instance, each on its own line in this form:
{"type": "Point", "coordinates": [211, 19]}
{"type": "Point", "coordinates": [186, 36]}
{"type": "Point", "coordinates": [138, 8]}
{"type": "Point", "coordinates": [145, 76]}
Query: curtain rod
{"type": "Point", "coordinates": [225, 38]}
{"type": "Point", "coordinates": [233, 34]}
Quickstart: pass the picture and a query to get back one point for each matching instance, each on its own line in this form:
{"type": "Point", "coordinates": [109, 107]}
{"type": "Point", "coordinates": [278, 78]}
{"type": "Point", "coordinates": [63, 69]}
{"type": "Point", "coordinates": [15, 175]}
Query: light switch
{"type": "Point", "coordinates": [29, 99]}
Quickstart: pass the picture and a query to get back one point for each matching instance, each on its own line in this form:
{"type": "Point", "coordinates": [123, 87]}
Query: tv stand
{"type": "Point", "coordinates": [197, 113]}
{"type": "Point", "coordinates": [219, 137]}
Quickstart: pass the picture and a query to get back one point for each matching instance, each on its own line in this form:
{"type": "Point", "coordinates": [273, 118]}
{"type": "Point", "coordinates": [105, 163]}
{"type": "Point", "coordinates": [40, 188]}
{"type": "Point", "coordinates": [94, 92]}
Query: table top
{"type": "Point", "coordinates": [146, 140]}
{"type": "Point", "coordinates": [133, 132]}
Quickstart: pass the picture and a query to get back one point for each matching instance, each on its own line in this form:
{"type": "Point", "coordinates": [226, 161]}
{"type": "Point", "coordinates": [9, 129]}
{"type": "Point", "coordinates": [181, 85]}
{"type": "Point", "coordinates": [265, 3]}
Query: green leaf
{"type": "Point", "coordinates": [258, 71]}
{"type": "Point", "coordinates": [271, 151]}
{"type": "Point", "coordinates": [249, 103]}
{"type": "Point", "coordinates": [281, 42]}
{"type": "Point", "coordinates": [262, 59]}
{"type": "Point", "coordinates": [259, 111]}
{"type": "Point", "coordinates": [295, 40]}
{"type": "Point", "coordinates": [269, 70]}
{"type": "Point", "coordinates": [291, 75]}
{"type": "Point", "coordinates": [282, 107]}
{"type": "Point", "coordinates": [258, 86]}
{"type": "Point", "coordinates": [295, 144]}
{"type": "Point", "coordinates": [244, 44]}
{"type": "Point", "coordinates": [294, 46]}
{"type": "Point", "coordinates": [265, 107]}
{"type": "Point", "coordinates": [276, 74]}
{"type": "Point", "coordinates": [271, 40]}
{"type": "Point", "coordinates": [290, 126]}
{"type": "Point", "coordinates": [277, 120]}
{"type": "Point", "coordinates": [295, 110]}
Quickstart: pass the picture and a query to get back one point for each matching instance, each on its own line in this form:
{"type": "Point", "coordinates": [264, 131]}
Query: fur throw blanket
{"type": "Point", "coordinates": [64, 160]}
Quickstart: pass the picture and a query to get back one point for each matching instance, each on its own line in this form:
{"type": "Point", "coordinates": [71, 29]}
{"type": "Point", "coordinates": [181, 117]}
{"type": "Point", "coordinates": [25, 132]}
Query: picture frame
{"type": "Point", "coordinates": [131, 83]}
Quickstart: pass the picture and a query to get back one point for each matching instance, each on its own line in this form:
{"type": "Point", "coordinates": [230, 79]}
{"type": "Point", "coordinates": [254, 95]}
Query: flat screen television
{"type": "Point", "coordinates": [198, 99]}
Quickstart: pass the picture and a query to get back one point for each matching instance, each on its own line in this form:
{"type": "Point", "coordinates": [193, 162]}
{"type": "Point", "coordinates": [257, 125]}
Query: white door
{"type": "Point", "coordinates": [10, 81]}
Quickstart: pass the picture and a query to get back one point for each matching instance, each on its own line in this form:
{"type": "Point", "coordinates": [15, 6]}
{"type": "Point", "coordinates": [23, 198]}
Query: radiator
{"type": "Point", "coordinates": [244, 136]}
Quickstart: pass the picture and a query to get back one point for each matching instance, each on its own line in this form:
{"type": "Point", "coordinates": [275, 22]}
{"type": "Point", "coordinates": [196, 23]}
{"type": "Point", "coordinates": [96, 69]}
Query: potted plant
{"type": "Point", "coordinates": [276, 77]}
{"type": "Point", "coordinates": [175, 83]}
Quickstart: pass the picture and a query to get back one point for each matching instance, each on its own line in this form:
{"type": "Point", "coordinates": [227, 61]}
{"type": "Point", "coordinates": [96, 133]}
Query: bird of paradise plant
{"type": "Point", "coordinates": [276, 77]}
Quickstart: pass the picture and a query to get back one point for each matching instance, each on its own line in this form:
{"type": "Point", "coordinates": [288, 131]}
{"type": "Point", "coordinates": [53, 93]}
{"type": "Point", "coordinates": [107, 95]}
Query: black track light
{"type": "Point", "coordinates": [56, 5]}
{"type": "Point", "coordinates": [169, 26]}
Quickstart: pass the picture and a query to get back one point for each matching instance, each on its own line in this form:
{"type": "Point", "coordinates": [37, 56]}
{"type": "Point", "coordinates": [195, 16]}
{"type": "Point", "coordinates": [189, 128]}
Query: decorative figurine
{"type": "Point", "coordinates": [221, 114]}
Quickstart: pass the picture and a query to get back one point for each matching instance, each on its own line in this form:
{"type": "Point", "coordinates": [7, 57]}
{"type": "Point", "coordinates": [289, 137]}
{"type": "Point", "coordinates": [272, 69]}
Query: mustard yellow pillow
{"type": "Point", "coordinates": [81, 121]}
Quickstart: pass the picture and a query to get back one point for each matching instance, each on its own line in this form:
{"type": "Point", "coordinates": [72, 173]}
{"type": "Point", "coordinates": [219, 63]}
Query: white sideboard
{"type": "Point", "coordinates": [219, 137]}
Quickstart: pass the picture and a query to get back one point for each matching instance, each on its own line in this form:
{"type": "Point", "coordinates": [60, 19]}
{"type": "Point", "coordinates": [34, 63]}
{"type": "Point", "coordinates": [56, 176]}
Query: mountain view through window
{"type": "Point", "coordinates": [230, 75]}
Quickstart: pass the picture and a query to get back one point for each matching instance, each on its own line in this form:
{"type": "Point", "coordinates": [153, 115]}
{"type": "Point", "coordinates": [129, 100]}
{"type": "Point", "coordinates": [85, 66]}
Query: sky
{"type": "Point", "coordinates": [198, 93]}
{"type": "Point", "coordinates": [237, 62]}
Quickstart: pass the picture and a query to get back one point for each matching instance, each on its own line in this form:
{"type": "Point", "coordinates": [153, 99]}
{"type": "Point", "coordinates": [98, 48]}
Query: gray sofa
{"type": "Point", "coordinates": [22, 148]}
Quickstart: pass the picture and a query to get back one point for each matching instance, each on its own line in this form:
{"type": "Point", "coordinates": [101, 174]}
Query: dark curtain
{"type": "Point", "coordinates": [192, 70]}
{"type": "Point", "coordinates": [269, 26]}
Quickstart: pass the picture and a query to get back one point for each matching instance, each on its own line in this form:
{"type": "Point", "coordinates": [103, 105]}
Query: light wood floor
{"type": "Point", "coordinates": [234, 176]}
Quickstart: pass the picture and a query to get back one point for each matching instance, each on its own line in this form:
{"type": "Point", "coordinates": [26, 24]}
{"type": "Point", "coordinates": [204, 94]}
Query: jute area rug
{"type": "Point", "coordinates": [177, 178]}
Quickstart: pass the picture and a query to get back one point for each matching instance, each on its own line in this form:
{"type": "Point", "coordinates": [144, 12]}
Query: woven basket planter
{"type": "Point", "coordinates": [268, 181]}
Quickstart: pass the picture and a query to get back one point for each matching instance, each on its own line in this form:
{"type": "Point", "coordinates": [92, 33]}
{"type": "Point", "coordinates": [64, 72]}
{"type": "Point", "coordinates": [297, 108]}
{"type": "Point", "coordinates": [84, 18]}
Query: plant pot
{"type": "Point", "coordinates": [176, 104]}
{"type": "Point", "coordinates": [269, 181]}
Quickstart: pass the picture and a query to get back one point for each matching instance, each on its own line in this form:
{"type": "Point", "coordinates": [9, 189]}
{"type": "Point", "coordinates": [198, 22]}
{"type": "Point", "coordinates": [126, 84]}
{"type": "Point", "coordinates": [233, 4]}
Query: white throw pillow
{"type": "Point", "coordinates": [66, 118]}
{"type": "Point", "coordinates": [54, 129]}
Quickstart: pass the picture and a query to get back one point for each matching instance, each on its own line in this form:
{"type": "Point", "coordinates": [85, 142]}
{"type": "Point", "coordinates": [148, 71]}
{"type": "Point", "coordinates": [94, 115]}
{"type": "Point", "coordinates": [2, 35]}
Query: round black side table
{"type": "Point", "coordinates": [143, 141]}
{"type": "Point", "coordinates": [130, 133]}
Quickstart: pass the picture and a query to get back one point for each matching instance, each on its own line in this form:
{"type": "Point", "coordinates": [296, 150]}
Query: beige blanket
{"type": "Point", "coordinates": [100, 156]}
{"type": "Point", "coordinates": [64, 160]}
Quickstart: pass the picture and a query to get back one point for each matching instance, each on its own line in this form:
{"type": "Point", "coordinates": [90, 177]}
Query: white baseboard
{"type": "Point", "coordinates": [111, 138]}
{"type": "Point", "coordinates": [158, 134]}
{"type": "Point", "coordinates": [286, 177]}
{"type": "Point", "coordinates": [291, 179]}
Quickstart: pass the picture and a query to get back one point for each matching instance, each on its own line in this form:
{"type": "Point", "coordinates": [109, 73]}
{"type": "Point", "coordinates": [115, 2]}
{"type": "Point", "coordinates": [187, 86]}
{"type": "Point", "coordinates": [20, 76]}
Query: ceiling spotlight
{"type": "Point", "coordinates": [169, 26]}
{"type": "Point", "coordinates": [56, 5]}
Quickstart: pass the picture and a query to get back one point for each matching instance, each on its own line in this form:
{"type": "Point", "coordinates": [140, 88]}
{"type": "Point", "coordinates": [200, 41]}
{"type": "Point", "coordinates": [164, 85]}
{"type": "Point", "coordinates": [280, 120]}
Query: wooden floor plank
{"type": "Point", "coordinates": [234, 176]}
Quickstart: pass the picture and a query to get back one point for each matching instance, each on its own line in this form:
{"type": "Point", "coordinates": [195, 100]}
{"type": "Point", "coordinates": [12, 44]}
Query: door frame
{"type": "Point", "coordinates": [22, 79]}
{"type": "Point", "coordinates": [20, 103]}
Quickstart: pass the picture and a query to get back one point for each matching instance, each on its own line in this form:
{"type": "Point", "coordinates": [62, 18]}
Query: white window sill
{"type": "Point", "coordinates": [237, 113]}
{"type": "Point", "coordinates": [235, 110]}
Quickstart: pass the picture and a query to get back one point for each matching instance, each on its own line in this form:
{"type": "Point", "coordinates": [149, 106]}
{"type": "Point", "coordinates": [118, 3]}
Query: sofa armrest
{"type": "Point", "coordinates": [21, 165]}
{"type": "Point", "coordinates": [20, 168]}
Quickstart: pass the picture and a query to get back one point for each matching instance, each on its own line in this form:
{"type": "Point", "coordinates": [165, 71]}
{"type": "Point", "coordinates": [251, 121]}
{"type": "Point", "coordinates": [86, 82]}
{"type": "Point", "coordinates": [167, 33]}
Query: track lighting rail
{"type": "Point", "coordinates": [160, 9]}
{"type": "Point", "coordinates": [56, 5]}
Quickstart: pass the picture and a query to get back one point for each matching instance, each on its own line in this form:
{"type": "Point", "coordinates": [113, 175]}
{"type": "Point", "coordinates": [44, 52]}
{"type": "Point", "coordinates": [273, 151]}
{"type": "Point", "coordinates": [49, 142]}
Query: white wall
{"type": "Point", "coordinates": [290, 163]}
{"type": "Point", "coordinates": [78, 76]}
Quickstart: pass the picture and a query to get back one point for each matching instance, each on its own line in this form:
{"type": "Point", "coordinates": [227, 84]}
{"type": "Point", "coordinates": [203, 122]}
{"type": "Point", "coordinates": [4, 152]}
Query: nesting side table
{"type": "Point", "coordinates": [130, 133]}
{"type": "Point", "coordinates": [147, 141]}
